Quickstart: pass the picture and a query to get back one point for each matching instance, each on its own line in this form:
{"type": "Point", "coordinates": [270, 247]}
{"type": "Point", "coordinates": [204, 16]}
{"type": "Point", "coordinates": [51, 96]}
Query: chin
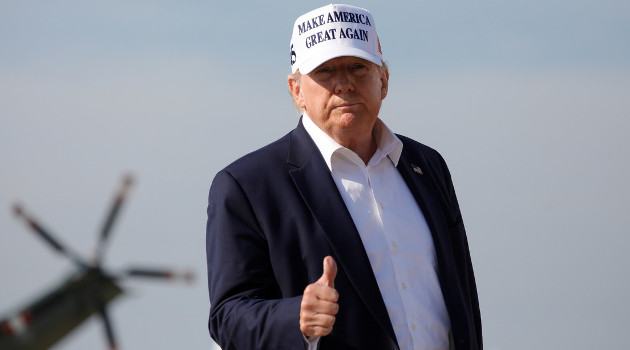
{"type": "Point", "coordinates": [349, 119]}
{"type": "Point", "coordinates": [355, 121]}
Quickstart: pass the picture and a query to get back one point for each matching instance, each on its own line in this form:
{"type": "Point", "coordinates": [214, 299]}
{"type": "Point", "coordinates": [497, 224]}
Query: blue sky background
{"type": "Point", "coordinates": [528, 102]}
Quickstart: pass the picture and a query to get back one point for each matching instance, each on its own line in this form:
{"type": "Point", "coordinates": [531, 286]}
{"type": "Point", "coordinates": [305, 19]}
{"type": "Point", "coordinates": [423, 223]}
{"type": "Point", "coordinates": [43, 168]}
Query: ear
{"type": "Point", "coordinates": [384, 81]}
{"type": "Point", "coordinates": [296, 92]}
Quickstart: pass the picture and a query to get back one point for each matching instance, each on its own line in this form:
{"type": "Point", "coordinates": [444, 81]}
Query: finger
{"type": "Point", "coordinates": [330, 272]}
{"type": "Point", "coordinates": [313, 319]}
{"type": "Point", "coordinates": [317, 325]}
{"type": "Point", "coordinates": [316, 331]}
{"type": "Point", "coordinates": [318, 292]}
{"type": "Point", "coordinates": [319, 306]}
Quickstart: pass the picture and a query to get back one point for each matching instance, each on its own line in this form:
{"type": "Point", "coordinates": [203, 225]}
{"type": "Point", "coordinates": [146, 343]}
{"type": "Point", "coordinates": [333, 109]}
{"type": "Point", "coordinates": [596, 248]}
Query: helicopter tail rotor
{"type": "Point", "coordinates": [48, 237]}
{"type": "Point", "coordinates": [92, 286]}
{"type": "Point", "coordinates": [111, 216]}
{"type": "Point", "coordinates": [109, 330]}
{"type": "Point", "coordinates": [186, 276]}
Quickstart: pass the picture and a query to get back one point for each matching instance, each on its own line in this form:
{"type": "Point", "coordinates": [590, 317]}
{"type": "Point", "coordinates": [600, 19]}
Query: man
{"type": "Point", "coordinates": [341, 234]}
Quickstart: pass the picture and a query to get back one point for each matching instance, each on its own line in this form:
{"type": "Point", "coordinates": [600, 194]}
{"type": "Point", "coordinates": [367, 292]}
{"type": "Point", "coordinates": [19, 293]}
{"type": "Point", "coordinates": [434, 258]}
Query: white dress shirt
{"type": "Point", "coordinates": [395, 235]}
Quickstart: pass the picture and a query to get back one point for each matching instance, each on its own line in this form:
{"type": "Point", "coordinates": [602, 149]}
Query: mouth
{"type": "Point", "coordinates": [347, 105]}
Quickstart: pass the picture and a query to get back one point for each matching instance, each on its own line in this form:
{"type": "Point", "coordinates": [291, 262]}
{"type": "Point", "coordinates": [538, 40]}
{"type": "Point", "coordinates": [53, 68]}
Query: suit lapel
{"type": "Point", "coordinates": [423, 190]}
{"type": "Point", "coordinates": [319, 191]}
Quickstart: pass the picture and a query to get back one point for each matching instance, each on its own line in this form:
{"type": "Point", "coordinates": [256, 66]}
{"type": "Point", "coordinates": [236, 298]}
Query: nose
{"type": "Point", "coordinates": [343, 82]}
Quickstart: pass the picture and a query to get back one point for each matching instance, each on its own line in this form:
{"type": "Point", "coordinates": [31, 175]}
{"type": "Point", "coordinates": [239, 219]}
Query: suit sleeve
{"type": "Point", "coordinates": [247, 310]}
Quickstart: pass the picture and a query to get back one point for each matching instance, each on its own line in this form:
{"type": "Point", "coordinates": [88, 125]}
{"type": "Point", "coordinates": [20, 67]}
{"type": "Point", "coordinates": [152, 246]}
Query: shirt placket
{"type": "Point", "coordinates": [395, 254]}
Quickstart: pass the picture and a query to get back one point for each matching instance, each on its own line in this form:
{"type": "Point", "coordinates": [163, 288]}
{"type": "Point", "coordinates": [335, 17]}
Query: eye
{"type": "Point", "coordinates": [323, 70]}
{"type": "Point", "coordinates": [359, 68]}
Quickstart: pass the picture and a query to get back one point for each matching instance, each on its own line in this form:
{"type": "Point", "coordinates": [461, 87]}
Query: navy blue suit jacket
{"type": "Point", "coordinates": [273, 216]}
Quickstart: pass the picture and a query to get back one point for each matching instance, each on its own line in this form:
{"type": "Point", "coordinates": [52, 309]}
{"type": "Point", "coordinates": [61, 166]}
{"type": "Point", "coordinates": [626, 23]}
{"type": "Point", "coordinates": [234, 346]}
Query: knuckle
{"type": "Point", "coordinates": [335, 309]}
{"type": "Point", "coordinates": [308, 303]}
{"type": "Point", "coordinates": [330, 320]}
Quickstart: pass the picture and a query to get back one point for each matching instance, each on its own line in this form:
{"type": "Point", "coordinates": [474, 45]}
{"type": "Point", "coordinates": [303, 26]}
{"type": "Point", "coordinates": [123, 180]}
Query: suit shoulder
{"type": "Point", "coordinates": [419, 150]}
{"type": "Point", "coordinates": [270, 156]}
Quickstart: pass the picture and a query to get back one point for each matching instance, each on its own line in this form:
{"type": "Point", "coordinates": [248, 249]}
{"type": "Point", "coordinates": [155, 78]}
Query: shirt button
{"type": "Point", "coordinates": [404, 285]}
{"type": "Point", "coordinates": [413, 327]}
{"type": "Point", "coordinates": [380, 205]}
{"type": "Point", "coordinates": [394, 245]}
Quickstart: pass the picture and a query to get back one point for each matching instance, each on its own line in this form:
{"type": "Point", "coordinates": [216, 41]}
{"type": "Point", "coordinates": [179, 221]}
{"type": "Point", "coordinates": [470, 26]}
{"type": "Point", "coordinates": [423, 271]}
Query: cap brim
{"type": "Point", "coordinates": [334, 52]}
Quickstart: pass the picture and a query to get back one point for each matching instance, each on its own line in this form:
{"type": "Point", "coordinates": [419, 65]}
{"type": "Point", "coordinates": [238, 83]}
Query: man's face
{"type": "Point", "coordinates": [343, 97]}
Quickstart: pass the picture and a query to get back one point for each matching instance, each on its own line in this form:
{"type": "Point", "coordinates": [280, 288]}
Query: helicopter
{"type": "Point", "coordinates": [86, 292]}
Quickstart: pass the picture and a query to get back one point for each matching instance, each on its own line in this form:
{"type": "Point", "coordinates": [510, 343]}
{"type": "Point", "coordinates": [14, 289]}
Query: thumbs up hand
{"type": "Point", "coordinates": [319, 303]}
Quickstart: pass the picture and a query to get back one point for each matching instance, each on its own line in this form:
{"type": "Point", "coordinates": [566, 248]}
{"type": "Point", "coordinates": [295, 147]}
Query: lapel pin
{"type": "Point", "coordinates": [417, 169]}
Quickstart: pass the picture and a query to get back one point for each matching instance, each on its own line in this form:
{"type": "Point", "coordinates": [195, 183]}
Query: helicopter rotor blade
{"type": "Point", "coordinates": [186, 276]}
{"type": "Point", "coordinates": [111, 216]}
{"type": "Point", "coordinates": [48, 237]}
{"type": "Point", "coordinates": [109, 330]}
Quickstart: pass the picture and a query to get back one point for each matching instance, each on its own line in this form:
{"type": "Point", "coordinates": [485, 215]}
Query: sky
{"type": "Point", "coordinates": [527, 102]}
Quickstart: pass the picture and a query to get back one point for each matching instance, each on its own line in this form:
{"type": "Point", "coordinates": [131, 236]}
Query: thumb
{"type": "Point", "coordinates": [330, 272]}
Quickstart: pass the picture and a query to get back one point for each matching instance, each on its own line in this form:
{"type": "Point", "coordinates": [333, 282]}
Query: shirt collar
{"type": "Point", "coordinates": [387, 142]}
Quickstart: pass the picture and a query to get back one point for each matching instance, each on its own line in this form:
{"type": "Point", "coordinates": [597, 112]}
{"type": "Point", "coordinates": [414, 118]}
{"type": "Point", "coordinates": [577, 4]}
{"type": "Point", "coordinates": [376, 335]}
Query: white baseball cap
{"type": "Point", "coordinates": [333, 31]}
